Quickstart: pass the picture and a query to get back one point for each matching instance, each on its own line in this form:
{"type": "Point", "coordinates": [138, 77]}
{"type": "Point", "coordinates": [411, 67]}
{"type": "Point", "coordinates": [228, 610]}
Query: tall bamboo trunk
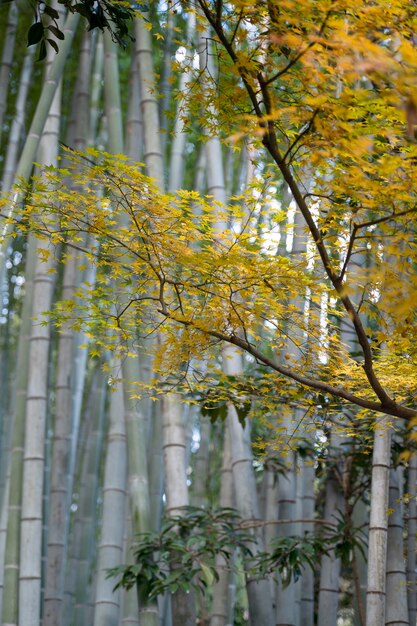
{"type": "Point", "coordinates": [378, 525]}
{"type": "Point", "coordinates": [396, 584]}
{"type": "Point", "coordinates": [12, 549]}
{"type": "Point", "coordinates": [80, 575]}
{"type": "Point", "coordinates": [224, 588]}
{"type": "Point", "coordinates": [110, 552]}
{"type": "Point", "coordinates": [36, 405]}
{"type": "Point", "coordinates": [7, 59]}
{"type": "Point", "coordinates": [411, 540]}
{"type": "Point", "coordinates": [330, 564]}
{"type": "Point", "coordinates": [61, 481]}
{"type": "Point", "coordinates": [176, 490]}
{"type": "Point", "coordinates": [16, 130]}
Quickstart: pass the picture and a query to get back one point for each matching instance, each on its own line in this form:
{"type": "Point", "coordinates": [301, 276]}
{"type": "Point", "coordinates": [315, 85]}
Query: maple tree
{"type": "Point", "coordinates": [325, 90]}
{"type": "Point", "coordinates": [173, 263]}
{"type": "Point", "coordinates": [321, 96]}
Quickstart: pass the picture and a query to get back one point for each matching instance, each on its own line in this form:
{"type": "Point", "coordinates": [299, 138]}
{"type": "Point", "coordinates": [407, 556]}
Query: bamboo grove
{"type": "Point", "coordinates": [208, 318]}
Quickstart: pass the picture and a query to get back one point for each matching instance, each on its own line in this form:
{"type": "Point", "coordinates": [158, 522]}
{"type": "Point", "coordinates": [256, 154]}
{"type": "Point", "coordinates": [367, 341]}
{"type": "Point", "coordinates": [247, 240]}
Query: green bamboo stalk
{"type": "Point", "coordinates": [396, 582]}
{"type": "Point", "coordinates": [96, 87]}
{"type": "Point", "coordinates": [36, 406]}
{"type": "Point", "coordinates": [149, 104]}
{"type": "Point", "coordinates": [136, 423]}
{"type": "Point", "coordinates": [411, 539]}
{"type": "Point", "coordinates": [110, 551]}
{"type": "Point", "coordinates": [222, 597]}
{"type": "Point", "coordinates": [112, 96]}
{"type": "Point", "coordinates": [378, 524]}
{"type": "Point", "coordinates": [18, 121]}
{"type": "Point", "coordinates": [134, 126]}
{"type": "Point", "coordinates": [7, 59]}
{"type": "Point", "coordinates": [12, 553]}
{"type": "Point", "coordinates": [65, 424]}
{"type": "Point", "coordinates": [82, 553]}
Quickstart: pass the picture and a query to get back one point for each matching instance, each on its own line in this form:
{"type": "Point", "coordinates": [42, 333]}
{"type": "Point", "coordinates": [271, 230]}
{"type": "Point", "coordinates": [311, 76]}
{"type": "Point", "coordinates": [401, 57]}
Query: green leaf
{"type": "Point", "coordinates": [42, 51]}
{"type": "Point", "coordinates": [55, 31]}
{"type": "Point", "coordinates": [207, 574]}
{"type": "Point", "coordinates": [54, 44]}
{"type": "Point", "coordinates": [35, 35]}
{"type": "Point", "coordinates": [53, 13]}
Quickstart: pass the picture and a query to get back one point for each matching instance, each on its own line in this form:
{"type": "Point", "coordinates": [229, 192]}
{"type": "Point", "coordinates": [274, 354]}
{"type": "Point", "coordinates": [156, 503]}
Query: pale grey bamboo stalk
{"type": "Point", "coordinates": [176, 491]}
{"type": "Point", "coordinates": [59, 490]}
{"type": "Point", "coordinates": [378, 524]}
{"type": "Point", "coordinates": [80, 569]}
{"type": "Point", "coordinates": [396, 584]}
{"type": "Point", "coordinates": [155, 463]}
{"type": "Point", "coordinates": [330, 565]}
{"type": "Point", "coordinates": [66, 425]}
{"type": "Point", "coordinates": [153, 158]}
{"type": "Point", "coordinates": [360, 517]}
{"type": "Point", "coordinates": [260, 603]}
{"type": "Point", "coordinates": [270, 489]}
{"type": "Point", "coordinates": [183, 608]}
{"type": "Point", "coordinates": [3, 531]}
{"type": "Point", "coordinates": [87, 277]}
{"type": "Point", "coordinates": [78, 126]}
{"type": "Point", "coordinates": [200, 171]}
{"type": "Point", "coordinates": [201, 465]}
{"type": "Point", "coordinates": [222, 596]}
{"type": "Point", "coordinates": [411, 539]}
{"type": "Point", "coordinates": [287, 506]}
{"type": "Point", "coordinates": [130, 609]}
{"type": "Point", "coordinates": [137, 474]}
{"type": "Point", "coordinates": [112, 95]}
{"type": "Point", "coordinates": [7, 370]}
{"type": "Point", "coordinates": [177, 159]}
{"type": "Point", "coordinates": [7, 59]}
{"type": "Point", "coordinates": [37, 400]}
{"type": "Point", "coordinates": [166, 71]}
{"type": "Point", "coordinates": [289, 598]}
{"type": "Point", "coordinates": [174, 455]}
{"type": "Point", "coordinates": [110, 551]}
{"type": "Point", "coordinates": [12, 553]}
{"type": "Point", "coordinates": [33, 459]}
{"type": "Point", "coordinates": [134, 126]}
{"type": "Point", "coordinates": [149, 105]}
{"type": "Point", "coordinates": [47, 472]}
{"type": "Point", "coordinates": [136, 423]}
{"type": "Point", "coordinates": [270, 493]}
{"type": "Point", "coordinates": [96, 87]}
{"type": "Point", "coordinates": [308, 505]}
{"type": "Point", "coordinates": [152, 151]}
{"type": "Point", "coordinates": [7, 411]}
{"type": "Point", "coordinates": [18, 120]}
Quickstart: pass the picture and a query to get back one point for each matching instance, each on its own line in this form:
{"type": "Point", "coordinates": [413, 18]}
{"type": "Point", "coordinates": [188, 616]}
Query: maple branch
{"type": "Point", "coordinates": [356, 227]}
{"type": "Point", "coordinates": [389, 408]}
{"type": "Point", "coordinates": [386, 404]}
{"type": "Point", "coordinates": [272, 147]}
{"type": "Point", "coordinates": [301, 134]}
{"type": "Point", "coordinates": [349, 251]}
{"type": "Point", "coordinates": [386, 218]}
{"type": "Point", "coordinates": [300, 54]}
